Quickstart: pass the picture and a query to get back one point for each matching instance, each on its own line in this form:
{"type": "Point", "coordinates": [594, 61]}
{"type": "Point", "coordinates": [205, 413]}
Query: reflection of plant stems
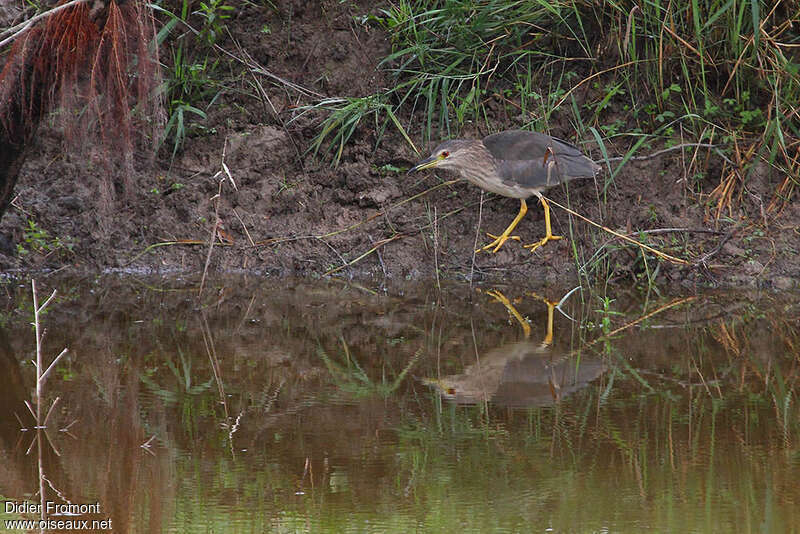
{"type": "Point", "coordinates": [41, 470]}
{"type": "Point", "coordinates": [41, 427]}
{"type": "Point", "coordinates": [663, 308]}
{"type": "Point", "coordinates": [212, 356]}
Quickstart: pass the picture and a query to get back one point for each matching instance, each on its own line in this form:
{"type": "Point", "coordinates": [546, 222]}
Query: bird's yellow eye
{"type": "Point", "coordinates": [445, 154]}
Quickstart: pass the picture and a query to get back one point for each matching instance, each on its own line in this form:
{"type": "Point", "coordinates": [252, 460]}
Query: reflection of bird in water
{"type": "Point", "coordinates": [520, 374]}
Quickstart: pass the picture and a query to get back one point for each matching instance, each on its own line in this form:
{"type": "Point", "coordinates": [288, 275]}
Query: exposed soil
{"type": "Point", "coordinates": [284, 197]}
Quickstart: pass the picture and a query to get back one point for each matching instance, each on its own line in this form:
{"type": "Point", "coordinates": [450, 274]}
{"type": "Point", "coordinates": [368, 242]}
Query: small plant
{"type": "Point", "coordinates": [36, 239]}
{"type": "Point", "coordinates": [176, 127]}
{"type": "Point", "coordinates": [385, 170]}
{"type": "Point", "coordinates": [213, 14]}
{"type": "Point", "coordinates": [286, 185]}
{"type": "Point", "coordinates": [344, 116]}
{"type": "Point", "coordinates": [191, 85]}
{"type": "Point", "coordinates": [606, 313]}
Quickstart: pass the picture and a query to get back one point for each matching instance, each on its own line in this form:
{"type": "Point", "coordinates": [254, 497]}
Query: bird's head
{"type": "Point", "coordinates": [446, 387]}
{"type": "Point", "coordinates": [447, 155]}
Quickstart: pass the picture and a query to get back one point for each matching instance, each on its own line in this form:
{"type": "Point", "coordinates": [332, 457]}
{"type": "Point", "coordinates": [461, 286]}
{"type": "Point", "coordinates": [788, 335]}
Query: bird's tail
{"type": "Point", "coordinates": [576, 166]}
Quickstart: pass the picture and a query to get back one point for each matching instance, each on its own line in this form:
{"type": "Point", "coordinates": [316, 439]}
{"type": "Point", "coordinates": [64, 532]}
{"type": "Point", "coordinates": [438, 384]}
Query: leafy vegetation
{"type": "Point", "coordinates": [345, 116]}
{"type": "Point", "coordinates": [631, 73]}
{"type": "Point", "coordinates": [38, 240]}
{"type": "Point", "coordinates": [191, 82]}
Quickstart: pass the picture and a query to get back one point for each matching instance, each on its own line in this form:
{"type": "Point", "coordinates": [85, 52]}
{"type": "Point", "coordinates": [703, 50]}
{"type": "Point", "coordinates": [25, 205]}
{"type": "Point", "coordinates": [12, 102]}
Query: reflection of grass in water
{"type": "Point", "coordinates": [770, 381]}
{"type": "Point", "coordinates": [687, 444]}
{"type": "Point", "coordinates": [192, 399]}
{"type": "Point", "coordinates": [183, 380]}
{"type": "Point", "coordinates": [712, 431]}
{"type": "Point", "coordinates": [684, 454]}
{"type": "Point", "coordinates": [351, 378]}
{"type": "Point", "coordinates": [498, 464]}
{"type": "Point", "coordinates": [656, 452]}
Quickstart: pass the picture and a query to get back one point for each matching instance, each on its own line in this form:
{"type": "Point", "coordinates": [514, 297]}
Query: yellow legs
{"type": "Point", "coordinates": [526, 328]}
{"type": "Point", "coordinates": [502, 299]}
{"type": "Point", "coordinates": [506, 235]}
{"type": "Point", "coordinates": [548, 231]}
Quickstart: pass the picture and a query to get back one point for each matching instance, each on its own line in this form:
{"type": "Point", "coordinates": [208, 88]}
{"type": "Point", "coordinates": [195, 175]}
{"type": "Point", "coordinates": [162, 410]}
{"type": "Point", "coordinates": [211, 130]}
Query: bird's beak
{"type": "Point", "coordinates": [442, 385]}
{"type": "Point", "coordinates": [426, 163]}
{"type": "Point", "coordinates": [431, 382]}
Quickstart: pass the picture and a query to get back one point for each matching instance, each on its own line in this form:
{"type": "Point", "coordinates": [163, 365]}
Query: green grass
{"type": "Point", "coordinates": [448, 58]}
{"type": "Point", "coordinates": [627, 78]}
{"type": "Point", "coordinates": [705, 70]}
{"type": "Point", "coordinates": [38, 240]}
{"type": "Point", "coordinates": [344, 116]}
{"type": "Point", "coordinates": [191, 77]}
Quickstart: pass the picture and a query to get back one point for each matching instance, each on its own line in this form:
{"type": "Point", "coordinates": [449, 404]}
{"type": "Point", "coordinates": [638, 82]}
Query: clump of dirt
{"type": "Point", "coordinates": [285, 212]}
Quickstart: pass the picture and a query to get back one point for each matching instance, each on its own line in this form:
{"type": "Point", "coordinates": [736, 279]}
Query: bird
{"type": "Point", "coordinates": [515, 164]}
{"type": "Point", "coordinates": [520, 374]}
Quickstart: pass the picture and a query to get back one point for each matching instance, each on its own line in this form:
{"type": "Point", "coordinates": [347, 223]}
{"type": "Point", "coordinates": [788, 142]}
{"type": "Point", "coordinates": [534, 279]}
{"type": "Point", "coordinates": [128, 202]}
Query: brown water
{"type": "Point", "coordinates": [266, 406]}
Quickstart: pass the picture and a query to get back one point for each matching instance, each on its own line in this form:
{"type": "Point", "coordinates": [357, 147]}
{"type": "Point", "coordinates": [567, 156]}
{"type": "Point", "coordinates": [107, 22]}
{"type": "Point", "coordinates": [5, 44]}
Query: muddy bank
{"type": "Point", "coordinates": [291, 214]}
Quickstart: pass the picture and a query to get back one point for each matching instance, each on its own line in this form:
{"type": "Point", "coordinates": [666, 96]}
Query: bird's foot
{"type": "Point", "coordinates": [498, 242]}
{"type": "Point", "coordinates": [545, 239]}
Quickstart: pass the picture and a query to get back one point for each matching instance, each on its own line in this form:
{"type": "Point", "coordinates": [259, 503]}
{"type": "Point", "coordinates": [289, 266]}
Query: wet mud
{"type": "Point", "coordinates": [293, 214]}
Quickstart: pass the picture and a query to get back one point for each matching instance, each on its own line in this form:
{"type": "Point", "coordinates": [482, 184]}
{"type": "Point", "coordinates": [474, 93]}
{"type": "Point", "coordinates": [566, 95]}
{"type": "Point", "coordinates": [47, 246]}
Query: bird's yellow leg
{"type": "Point", "coordinates": [548, 235]}
{"type": "Point", "coordinates": [548, 337]}
{"type": "Point", "coordinates": [502, 299]}
{"type": "Point", "coordinates": [506, 235]}
{"type": "Point", "coordinates": [526, 328]}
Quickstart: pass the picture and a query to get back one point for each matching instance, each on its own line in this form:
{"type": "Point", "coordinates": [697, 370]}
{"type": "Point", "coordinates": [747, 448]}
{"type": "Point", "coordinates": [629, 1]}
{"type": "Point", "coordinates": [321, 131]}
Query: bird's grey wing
{"type": "Point", "coordinates": [525, 145]}
{"type": "Point", "coordinates": [521, 154]}
{"type": "Point", "coordinates": [527, 175]}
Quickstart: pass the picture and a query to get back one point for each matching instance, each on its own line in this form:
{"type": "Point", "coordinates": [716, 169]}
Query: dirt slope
{"type": "Point", "coordinates": [292, 214]}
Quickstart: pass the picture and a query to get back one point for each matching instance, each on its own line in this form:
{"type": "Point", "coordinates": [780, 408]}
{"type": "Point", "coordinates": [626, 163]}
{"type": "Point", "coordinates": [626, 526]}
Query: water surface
{"type": "Point", "coordinates": [268, 406]}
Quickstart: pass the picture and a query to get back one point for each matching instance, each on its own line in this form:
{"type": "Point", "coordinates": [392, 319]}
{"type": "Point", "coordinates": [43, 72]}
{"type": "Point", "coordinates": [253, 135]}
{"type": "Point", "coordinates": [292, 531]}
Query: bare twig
{"type": "Point", "coordinates": [22, 426]}
{"type": "Point", "coordinates": [146, 445]}
{"type": "Point", "coordinates": [46, 417]}
{"type": "Point", "coordinates": [705, 257]}
{"type": "Point", "coordinates": [244, 226]}
{"type": "Point", "coordinates": [435, 223]}
{"type": "Point", "coordinates": [215, 227]}
{"type": "Point", "coordinates": [379, 244]}
{"type": "Point", "coordinates": [666, 150]}
{"type": "Point", "coordinates": [382, 213]}
{"type": "Point", "coordinates": [475, 244]}
{"type": "Point", "coordinates": [648, 248]}
{"type": "Point", "coordinates": [380, 258]}
{"type": "Point", "coordinates": [50, 368]}
{"type": "Point", "coordinates": [249, 62]}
